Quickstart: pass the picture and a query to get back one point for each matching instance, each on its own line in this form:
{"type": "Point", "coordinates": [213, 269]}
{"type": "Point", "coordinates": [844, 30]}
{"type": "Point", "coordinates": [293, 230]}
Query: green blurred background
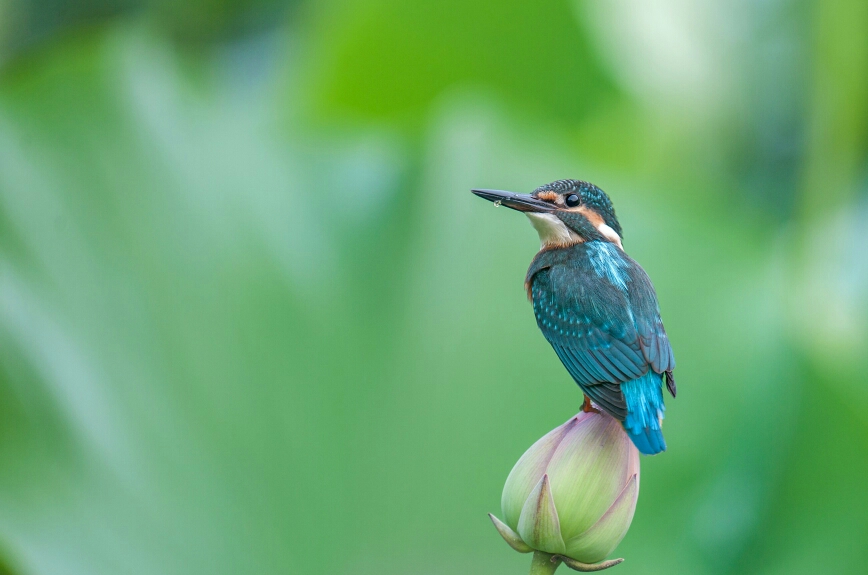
{"type": "Point", "coordinates": [253, 321]}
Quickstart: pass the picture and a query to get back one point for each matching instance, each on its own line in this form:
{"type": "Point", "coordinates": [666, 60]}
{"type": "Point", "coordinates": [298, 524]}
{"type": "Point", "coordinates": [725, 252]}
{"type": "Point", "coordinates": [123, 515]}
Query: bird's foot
{"type": "Point", "coordinates": [587, 407]}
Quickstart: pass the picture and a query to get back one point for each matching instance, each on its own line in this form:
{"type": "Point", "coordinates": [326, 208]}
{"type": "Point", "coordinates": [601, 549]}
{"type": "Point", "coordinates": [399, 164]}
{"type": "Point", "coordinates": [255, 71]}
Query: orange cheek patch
{"type": "Point", "coordinates": [547, 196]}
{"type": "Point", "coordinates": [598, 222]}
{"type": "Point", "coordinates": [592, 215]}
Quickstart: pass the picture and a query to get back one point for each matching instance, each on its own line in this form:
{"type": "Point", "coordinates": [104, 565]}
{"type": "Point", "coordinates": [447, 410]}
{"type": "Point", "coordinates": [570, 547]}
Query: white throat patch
{"type": "Point", "coordinates": [552, 231]}
{"type": "Point", "coordinates": [555, 233]}
{"type": "Point", "coordinates": [610, 235]}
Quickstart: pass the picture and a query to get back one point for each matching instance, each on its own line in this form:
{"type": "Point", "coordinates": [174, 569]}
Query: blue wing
{"type": "Point", "coordinates": [598, 310]}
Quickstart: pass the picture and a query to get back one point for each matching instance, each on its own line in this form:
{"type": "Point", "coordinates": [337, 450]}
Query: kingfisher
{"type": "Point", "coordinates": [596, 306]}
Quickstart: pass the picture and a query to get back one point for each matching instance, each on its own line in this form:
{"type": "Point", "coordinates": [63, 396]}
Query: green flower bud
{"type": "Point", "coordinates": [573, 493]}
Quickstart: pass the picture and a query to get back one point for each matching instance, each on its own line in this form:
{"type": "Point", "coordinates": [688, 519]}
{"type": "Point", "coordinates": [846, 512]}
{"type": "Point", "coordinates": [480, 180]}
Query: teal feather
{"type": "Point", "coordinates": [644, 398]}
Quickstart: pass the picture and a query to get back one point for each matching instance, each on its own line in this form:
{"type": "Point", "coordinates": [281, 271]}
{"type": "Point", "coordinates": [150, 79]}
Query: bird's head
{"type": "Point", "coordinates": [564, 213]}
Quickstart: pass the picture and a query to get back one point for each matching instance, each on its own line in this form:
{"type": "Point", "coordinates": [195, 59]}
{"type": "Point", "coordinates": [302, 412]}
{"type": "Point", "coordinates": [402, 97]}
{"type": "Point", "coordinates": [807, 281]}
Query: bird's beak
{"type": "Point", "coordinates": [520, 202]}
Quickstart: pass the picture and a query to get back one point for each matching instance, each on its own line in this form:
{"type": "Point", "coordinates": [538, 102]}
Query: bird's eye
{"type": "Point", "coordinates": [572, 200]}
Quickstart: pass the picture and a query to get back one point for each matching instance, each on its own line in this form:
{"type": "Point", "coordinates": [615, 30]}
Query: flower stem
{"type": "Point", "coordinates": [542, 563]}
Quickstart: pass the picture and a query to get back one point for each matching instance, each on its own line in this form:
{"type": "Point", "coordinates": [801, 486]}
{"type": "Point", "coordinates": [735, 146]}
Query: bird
{"type": "Point", "coordinates": [596, 306]}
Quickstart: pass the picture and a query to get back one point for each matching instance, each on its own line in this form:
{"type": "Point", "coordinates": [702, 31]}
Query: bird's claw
{"type": "Point", "coordinates": [588, 407]}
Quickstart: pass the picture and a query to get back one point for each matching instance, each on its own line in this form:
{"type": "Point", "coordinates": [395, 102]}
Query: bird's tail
{"type": "Point", "coordinates": [644, 398]}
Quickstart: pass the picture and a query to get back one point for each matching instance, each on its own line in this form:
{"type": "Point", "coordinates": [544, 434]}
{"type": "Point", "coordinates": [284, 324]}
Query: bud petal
{"type": "Point", "coordinates": [574, 492]}
{"type": "Point", "coordinates": [587, 567]}
{"type": "Point", "coordinates": [538, 525]}
{"type": "Point", "coordinates": [528, 471]}
{"type": "Point", "coordinates": [590, 468]}
{"type": "Point", "coordinates": [601, 539]}
{"type": "Point", "coordinates": [510, 536]}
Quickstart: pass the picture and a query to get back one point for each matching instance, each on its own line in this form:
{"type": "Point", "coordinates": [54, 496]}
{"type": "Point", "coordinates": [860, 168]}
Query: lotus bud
{"type": "Point", "coordinates": [572, 495]}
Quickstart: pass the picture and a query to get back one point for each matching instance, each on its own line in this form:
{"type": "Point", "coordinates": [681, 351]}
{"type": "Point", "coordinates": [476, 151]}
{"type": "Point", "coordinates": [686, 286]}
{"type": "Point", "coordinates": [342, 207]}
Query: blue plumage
{"type": "Point", "coordinates": [596, 306]}
{"type": "Point", "coordinates": [644, 398]}
{"type": "Point", "coordinates": [608, 263]}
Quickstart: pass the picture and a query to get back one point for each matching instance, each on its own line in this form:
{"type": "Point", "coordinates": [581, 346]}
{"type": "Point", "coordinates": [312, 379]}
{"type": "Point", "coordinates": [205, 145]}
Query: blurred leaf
{"type": "Point", "coordinates": [391, 58]}
{"type": "Point", "coordinates": [233, 339]}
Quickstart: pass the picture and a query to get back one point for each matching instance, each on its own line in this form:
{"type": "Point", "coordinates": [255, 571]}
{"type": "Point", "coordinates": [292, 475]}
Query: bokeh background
{"type": "Point", "coordinates": [253, 321]}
